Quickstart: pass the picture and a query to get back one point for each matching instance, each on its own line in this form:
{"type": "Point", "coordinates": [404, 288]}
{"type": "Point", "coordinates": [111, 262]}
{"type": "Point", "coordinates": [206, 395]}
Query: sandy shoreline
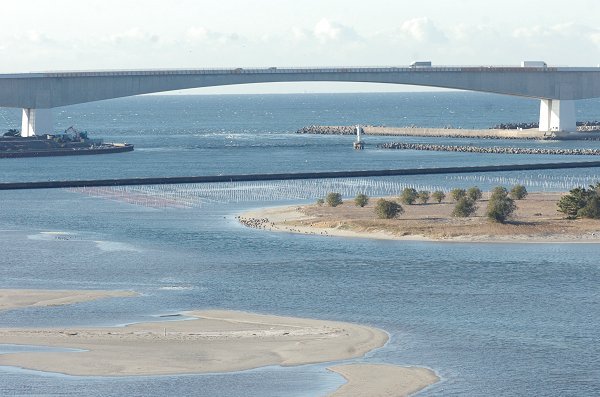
{"type": "Point", "coordinates": [536, 221]}
{"type": "Point", "coordinates": [215, 341]}
{"type": "Point", "coordinates": [20, 298]}
{"type": "Point", "coordinates": [211, 341]}
{"type": "Point", "coordinates": [382, 380]}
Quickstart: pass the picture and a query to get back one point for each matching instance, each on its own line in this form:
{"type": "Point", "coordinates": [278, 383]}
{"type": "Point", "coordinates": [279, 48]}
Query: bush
{"type": "Point", "coordinates": [572, 203]}
{"type": "Point", "coordinates": [465, 207]}
{"type": "Point", "coordinates": [408, 196]}
{"type": "Point", "coordinates": [580, 202]}
{"type": "Point", "coordinates": [423, 196]}
{"type": "Point", "coordinates": [457, 194]}
{"type": "Point", "coordinates": [386, 209]}
{"type": "Point", "coordinates": [361, 200]}
{"type": "Point", "coordinates": [518, 192]}
{"type": "Point", "coordinates": [438, 196]}
{"type": "Point", "coordinates": [500, 206]}
{"type": "Point", "coordinates": [474, 193]}
{"type": "Point", "coordinates": [333, 199]}
{"type": "Point", "coordinates": [591, 209]}
{"type": "Point", "coordinates": [320, 202]}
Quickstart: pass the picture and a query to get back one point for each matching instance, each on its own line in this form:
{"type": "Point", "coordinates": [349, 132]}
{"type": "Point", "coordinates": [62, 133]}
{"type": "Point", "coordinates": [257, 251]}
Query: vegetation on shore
{"type": "Point", "coordinates": [578, 203]}
{"type": "Point", "coordinates": [581, 203]}
{"type": "Point", "coordinates": [361, 200]}
{"type": "Point", "coordinates": [387, 209]}
{"type": "Point", "coordinates": [496, 215]}
{"type": "Point", "coordinates": [500, 206]}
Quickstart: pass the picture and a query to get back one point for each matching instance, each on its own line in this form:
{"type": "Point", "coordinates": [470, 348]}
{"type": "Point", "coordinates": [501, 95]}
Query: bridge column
{"type": "Point", "coordinates": [37, 122]}
{"type": "Point", "coordinates": [557, 115]}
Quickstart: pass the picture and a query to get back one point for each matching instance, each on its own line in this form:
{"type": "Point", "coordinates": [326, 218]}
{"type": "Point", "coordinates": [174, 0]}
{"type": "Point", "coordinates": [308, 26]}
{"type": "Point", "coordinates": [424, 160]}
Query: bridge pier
{"type": "Point", "coordinates": [557, 115]}
{"type": "Point", "coordinates": [37, 122]}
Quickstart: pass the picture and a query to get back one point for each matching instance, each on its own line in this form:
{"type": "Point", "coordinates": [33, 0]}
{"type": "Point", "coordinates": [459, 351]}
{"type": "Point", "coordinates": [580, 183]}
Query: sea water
{"type": "Point", "coordinates": [490, 319]}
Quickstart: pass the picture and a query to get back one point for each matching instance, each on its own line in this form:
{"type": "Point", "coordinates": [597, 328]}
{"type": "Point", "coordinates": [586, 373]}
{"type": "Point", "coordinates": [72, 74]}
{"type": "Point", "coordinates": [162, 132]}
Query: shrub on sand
{"type": "Point", "coordinates": [333, 199]}
{"type": "Point", "coordinates": [386, 209]}
{"type": "Point", "coordinates": [361, 200]}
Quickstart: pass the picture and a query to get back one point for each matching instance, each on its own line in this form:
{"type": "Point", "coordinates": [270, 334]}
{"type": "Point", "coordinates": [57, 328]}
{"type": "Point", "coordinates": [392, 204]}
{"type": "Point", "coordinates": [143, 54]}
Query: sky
{"type": "Point", "coordinates": [39, 35]}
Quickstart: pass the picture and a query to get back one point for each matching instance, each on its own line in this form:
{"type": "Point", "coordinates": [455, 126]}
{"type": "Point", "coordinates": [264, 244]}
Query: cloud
{"type": "Point", "coordinates": [422, 30]}
{"type": "Point", "coordinates": [567, 29]}
{"type": "Point", "coordinates": [300, 34]}
{"type": "Point", "coordinates": [326, 31]}
{"type": "Point", "coordinates": [32, 37]}
{"type": "Point", "coordinates": [133, 35]}
{"type": "Point", "coordinates": [197, 34]}
{"type": "Point", "coordinates": [595, 38]}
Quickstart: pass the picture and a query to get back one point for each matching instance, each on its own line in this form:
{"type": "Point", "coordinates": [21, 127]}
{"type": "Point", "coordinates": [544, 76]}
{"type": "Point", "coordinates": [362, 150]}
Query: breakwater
{"type": "Point", "coordinates": [329, 130]}
{"type": "Point", "coordinates": [425, 132]}
{"type": "Point", "coordinates": [487, 150]}
{"type": "Point", "coordinates": [584, 132]}
{"type": "Point", "coordinates": [582, 126]}
{"type": "Point", "coordinates": [293, 176]}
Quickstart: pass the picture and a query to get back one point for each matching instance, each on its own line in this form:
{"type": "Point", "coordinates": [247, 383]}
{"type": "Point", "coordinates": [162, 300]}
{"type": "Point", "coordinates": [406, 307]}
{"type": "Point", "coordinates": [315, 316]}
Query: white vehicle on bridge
{"type": "Point", "coordinates": [421, 64]}
{"type": "Point", "coordinates": [533, 64]}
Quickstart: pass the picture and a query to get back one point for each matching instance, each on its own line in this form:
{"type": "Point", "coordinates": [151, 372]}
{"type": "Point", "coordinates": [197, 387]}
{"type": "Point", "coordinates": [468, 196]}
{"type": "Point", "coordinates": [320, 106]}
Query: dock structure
{"type": "Point", "coordinates": [556, 87]}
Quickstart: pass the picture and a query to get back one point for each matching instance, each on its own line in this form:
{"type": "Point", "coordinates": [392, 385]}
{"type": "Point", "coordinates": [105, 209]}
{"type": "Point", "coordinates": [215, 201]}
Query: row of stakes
{"type": "Point", "coordinates": [199, 195]}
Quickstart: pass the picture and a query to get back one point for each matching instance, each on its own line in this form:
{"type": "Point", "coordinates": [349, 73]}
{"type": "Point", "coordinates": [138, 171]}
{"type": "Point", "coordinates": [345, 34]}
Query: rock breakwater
{"type": "Point", "coordinates": [587, 130]}
{"type": "Point", "coordinates": [491, 150]}
{"type": "Point", "coordinates": [328, 130]}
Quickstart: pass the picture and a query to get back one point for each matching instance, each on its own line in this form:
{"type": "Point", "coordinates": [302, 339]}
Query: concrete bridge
{"type": "Point", "coordinates": [556, 87]}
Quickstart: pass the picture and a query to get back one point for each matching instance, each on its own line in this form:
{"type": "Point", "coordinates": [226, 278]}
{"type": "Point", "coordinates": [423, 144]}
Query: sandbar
{"type": "Point", "coordinates": [536, 220]}
{"type": "Point", "coordinates": [382, 380]}
{"type": "Point", "coordinates": [20, 298]}
{"type": "Point", "coordinates": [211, 341]}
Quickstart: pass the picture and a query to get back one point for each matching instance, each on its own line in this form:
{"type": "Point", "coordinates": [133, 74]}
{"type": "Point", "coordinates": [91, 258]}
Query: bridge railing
{"type": "Point", "coordinates": [299, 70]}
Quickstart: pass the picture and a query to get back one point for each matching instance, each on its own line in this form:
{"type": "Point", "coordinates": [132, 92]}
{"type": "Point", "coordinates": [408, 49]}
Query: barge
{"type": "Point", "coordinates": [70, 143]}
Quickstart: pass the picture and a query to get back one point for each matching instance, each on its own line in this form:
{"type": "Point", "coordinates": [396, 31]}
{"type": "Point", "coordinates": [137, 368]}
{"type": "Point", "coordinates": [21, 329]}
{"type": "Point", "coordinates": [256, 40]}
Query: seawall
{"type": "Point", "coordinates": [292, 176]}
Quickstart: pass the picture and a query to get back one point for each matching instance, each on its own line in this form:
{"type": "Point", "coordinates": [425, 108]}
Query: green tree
{"type": "Point", "coordinates": [576, 200]}
{"type": "Point", "coordinates": [438, 196]}
{"type": "Point", "coordinates": [464, 207]}
{"type": "Point", "coordinates": [571, 203]}
{"type": "Point", "coordinates": [518, 192]}
{"type": "Point", "coordinates": [591, 209]}
{"type": "Point", "coordinates": [457, 194]}
{"type": "Point", "coordinates": [423, 196]}
{"type": "Point", "coordinates": [474, 193]}
{"type": "Point", "coordinates": [333, 199]}
{"type": "Point", "coordinates": [386, 209]}
{"type": "Point", "coordinates": [361, 200]}
{"type": "Point", "coordinates": [320, 202]}
{"type": "Point", "coordinates": [500, 206]}
{"type": "Point", "coordinates": [408, 196]}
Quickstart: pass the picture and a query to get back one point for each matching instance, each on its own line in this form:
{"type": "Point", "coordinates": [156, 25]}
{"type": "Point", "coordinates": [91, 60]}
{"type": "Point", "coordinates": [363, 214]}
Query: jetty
{"type": "Point", "coordinates": [584, 132]}
{"type": "Point", "coordinates": [488, 150]}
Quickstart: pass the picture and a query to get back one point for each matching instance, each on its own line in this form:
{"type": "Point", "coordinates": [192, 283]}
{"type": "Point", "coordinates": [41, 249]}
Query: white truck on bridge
{"type": "Point", "coordinates": [421, 64]}
{"type": "Point", "coordinates": [533, 64]}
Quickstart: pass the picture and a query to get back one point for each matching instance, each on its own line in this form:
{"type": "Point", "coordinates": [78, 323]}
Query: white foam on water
{"type": "Point", "coordinates": [113, 246]}
{"type": "Point", "coordinates": [54, 236]}
{"type": "Point", "coordinates": [176, 288]}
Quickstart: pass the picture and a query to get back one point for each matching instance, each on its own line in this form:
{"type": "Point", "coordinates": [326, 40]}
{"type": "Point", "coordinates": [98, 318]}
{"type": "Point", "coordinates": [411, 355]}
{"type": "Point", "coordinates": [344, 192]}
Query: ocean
{"type": "Point", "coordinates": [490, 319]}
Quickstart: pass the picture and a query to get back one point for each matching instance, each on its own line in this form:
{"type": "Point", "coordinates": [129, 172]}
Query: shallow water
{"type": "Point", "coordinates": [490, 319]}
